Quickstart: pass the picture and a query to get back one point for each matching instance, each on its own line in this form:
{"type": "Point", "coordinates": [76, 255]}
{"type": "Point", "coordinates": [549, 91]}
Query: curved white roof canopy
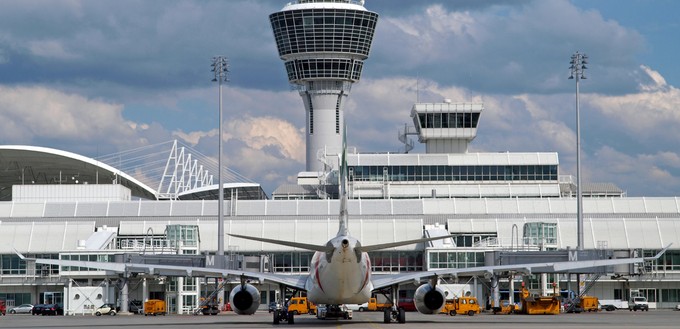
{"type": "Point", "coordinates": [21, 164]}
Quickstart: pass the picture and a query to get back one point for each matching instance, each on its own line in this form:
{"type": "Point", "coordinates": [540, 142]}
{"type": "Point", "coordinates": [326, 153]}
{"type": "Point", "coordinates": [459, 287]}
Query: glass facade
{"type": "Point", "coordinates": [453, 173]}
{"type": "Point", "coordinates": [86, 258]}
{"type": "Point", "coordinates": [336, 68]}
{"type": "Point", "coordinates": [540, 234]}
{"type": "Point", "coordinates": [383, 261]}
{"type": "Point", "coordinates": [12, 264]}
{"type": "Point", "coordinates": [448, 120]}
{"type": "Point", "coordinates": [396, 261]}
{"type": "Point", "coordinates": [292, 262]}
{"type": "Point", "coordinates": [669, 261]}
{"type": "Point", "coordinates": [323, 30]}
{"type": "Point", "coordinates": [455, 259]}
{"type": "Point", "coordinates": [187, 234]}
{"type": "Point", "coordinates": [18, 298]}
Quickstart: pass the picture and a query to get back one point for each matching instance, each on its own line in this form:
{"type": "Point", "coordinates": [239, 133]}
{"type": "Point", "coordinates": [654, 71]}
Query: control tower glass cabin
{"type": "Point", "coordinates": [323, 45]}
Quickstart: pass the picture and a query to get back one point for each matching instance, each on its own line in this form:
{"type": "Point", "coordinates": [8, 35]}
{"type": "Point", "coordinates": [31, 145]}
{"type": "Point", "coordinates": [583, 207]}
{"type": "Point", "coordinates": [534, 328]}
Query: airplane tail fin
{"type": "Point", "coordinates": [343, 225]}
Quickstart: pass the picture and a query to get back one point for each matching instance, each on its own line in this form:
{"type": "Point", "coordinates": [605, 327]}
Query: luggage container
{"type": "Point", "coordinates": [154, 307]}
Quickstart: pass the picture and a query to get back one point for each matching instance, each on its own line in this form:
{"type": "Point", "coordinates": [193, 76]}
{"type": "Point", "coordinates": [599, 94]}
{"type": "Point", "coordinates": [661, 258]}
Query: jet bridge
{"type": "Point", "coordinates": [527, 257]}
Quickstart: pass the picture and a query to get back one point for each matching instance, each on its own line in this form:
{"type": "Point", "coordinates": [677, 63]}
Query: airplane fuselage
{"type": "Point", "coordinates": [342, 276]}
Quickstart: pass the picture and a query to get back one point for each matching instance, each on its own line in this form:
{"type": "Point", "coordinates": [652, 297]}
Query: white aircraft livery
{"type": "Point", "coordinates": [340, 271]}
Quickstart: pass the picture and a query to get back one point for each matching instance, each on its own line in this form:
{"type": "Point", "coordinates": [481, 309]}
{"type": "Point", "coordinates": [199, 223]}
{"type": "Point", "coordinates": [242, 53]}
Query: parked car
{"type": "Point", "coordinates": [23, 308]}
{"type": "Point", "coordinates": [677, 307]}
{"type": "Point", "coordinates": [108, 309]}
{"type": "Point", "coordinates": [53, 309]}
{"type": "Point", "coordinates": [38, 309]}
{"type": "Point", "coordinates": [357, 307]}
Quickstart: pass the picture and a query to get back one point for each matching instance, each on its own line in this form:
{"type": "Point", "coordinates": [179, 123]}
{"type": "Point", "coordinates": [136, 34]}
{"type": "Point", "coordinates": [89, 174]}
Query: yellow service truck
{"type": "Point", "coordinates": [462, 305]}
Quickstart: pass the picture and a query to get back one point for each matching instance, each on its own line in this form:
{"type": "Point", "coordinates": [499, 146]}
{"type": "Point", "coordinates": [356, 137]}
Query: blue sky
{"type": "Point", "coordinates": [98, 77]}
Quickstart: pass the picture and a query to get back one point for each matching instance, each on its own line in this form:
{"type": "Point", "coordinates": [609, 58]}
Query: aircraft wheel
{"type": "Point", "coordinates": [291, 317]}
{"type": "Point", "coordinates": [386, 316]}
{"type": "Point", "coordinates": [276, 316]}
{"type": "Point", "coordinates": [402, 316]}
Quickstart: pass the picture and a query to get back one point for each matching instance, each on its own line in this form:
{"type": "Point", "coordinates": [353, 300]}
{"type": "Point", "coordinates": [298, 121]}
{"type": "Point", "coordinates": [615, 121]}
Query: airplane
{"type": "Point", "coordinates": [340, 271]}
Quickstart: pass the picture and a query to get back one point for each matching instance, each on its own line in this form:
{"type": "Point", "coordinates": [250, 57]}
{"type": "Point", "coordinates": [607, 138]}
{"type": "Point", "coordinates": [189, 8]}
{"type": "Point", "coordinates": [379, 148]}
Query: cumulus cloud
{"type": "Point", "coordinates": [465, 47]}
{"type": "Point", "coordinates": [643, 112]}
{"type": "Point", "coordinates": [27, 112]}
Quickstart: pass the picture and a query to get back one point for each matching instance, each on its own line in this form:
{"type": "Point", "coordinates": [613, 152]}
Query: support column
{"type": "Point", "coordinates": [124, 296]}
{"type": "Point", "coordinates": [67, 298]}
{"type": "Point", "coordinates": [474, 293]}
{"type": "Point", "coordinates": [107, 298]}
{"type": "Point", "coordinates": [180, 295]}
{"type": "Point", "coordinates": [145, 291]}
{"type": "Point", "coordinates": [511, 298]}
{"type": "Point", "coordinates": [496, 293]}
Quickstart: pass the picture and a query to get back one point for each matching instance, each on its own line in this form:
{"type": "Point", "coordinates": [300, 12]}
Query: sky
{"type": "Point", "coordinates": [100, 77]}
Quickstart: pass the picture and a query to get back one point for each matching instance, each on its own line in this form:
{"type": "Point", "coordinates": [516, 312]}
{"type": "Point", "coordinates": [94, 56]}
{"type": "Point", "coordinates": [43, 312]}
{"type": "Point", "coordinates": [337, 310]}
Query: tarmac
{"type": "Point", "coordinates": [371, 320]}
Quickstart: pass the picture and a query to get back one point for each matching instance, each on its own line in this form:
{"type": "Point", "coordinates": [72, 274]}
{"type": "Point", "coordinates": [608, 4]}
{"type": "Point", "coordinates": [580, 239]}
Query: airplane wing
{"type": "Point", "coordinates": [295, 281]}
{"type": "Point", "coordinates": [382, 281]}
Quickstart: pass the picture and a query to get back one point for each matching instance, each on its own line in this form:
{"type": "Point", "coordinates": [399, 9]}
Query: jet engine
{"type": "Point", "coordinates": [244, 299]}
{"type": "Point", "coordinates": [429, 299]}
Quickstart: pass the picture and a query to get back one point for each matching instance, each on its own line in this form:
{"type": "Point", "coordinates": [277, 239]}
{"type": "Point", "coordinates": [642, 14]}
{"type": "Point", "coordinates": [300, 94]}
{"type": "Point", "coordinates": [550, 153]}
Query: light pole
{"type": "Point", "coordinates": [220, 66]}
{"type": "Point", "coordinates": [578, 68]}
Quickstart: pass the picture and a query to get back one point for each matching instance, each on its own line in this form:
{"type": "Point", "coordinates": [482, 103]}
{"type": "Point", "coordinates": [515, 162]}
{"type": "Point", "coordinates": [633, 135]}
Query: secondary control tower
{"type": "Point", "coordinates": [323, 44]}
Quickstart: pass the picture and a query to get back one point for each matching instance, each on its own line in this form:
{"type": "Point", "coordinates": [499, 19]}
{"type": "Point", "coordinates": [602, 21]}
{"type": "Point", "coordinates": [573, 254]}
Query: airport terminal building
{"type": "Point", "coordinates": [56, 204]}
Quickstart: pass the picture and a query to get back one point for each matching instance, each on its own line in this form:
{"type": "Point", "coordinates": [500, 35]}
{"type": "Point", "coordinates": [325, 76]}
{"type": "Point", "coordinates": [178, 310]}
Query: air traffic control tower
{"type": "Point", "coordinates": [323, 44]}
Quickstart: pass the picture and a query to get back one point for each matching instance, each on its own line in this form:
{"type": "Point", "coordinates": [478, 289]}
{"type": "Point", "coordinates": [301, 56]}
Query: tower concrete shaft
{"type": "Point", "coordinates": [323, 44]}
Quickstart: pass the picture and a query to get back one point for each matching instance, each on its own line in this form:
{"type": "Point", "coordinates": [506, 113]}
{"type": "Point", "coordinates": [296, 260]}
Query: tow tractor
{"type": "Point", "coordinates": [333, 312]}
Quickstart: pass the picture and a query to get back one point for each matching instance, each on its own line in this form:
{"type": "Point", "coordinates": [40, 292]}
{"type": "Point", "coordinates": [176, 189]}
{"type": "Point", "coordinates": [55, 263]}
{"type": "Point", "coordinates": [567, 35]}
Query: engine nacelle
{"type": "Point", "coordinates": [428, 299]}
{"type": "Point", "coordinates": [244, 299]}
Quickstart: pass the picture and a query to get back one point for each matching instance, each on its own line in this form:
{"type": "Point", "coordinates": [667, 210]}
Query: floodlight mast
{"type": "Point", "coordinates": [220, 67]}
{"type": "Point", "coordinates": [578, 68]}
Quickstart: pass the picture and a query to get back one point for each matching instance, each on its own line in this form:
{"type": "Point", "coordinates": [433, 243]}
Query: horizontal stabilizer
{"type": "Point", "coordinates": [400, 243]}
{"type": "Point", "coordinates": [306, 246]}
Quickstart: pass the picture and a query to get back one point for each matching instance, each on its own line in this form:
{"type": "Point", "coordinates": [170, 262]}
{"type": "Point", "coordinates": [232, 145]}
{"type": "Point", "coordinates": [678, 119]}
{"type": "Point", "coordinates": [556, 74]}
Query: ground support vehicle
{"type": "Point", "coordinates": [300, 305]}
{"type": "Point", "coordinates": [208, 307]}
{"type": "Point", "coordinates": [589, 304]}
{"type": "Point", "coordinates": [154, 307]}
{"type": "Point", "coordinates": [612, 304]}
{"type": "Point", "coordinates": [333, 312]}
{"type": "Point", "coordinates": [504, 308]}
{"type": "Point", "coordinates": [533, 305]}
{"type": "Point", "coordinates": [461, 305]}
{"type": "Point", "coordinates": [282, 314]}
{"type": "Point", "coordinates": [638, 303]}
{"type": "Point", "coordinates": [374, 305]}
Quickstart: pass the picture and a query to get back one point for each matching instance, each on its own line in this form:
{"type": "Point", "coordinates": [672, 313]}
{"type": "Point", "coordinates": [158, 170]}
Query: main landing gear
{"type": "Point", "coordinates": [281, 315]}
{"type": "Point", "coordinates": [395, 312]}
{"type": "Point", "coordinates": [399, 315]}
